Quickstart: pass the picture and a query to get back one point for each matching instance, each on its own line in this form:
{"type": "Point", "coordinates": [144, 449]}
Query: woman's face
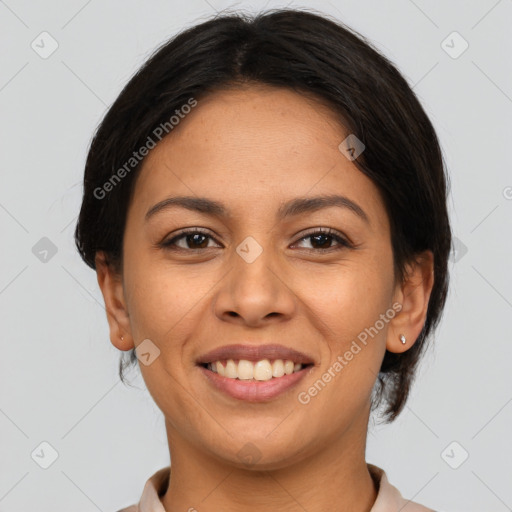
{"type": "Point", "coordinates": [254, 276]}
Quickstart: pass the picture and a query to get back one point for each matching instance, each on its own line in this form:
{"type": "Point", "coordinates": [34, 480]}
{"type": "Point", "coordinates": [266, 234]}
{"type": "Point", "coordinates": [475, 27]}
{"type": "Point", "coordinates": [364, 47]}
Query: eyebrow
{"type": "Point", "coordinates": [291, 208]}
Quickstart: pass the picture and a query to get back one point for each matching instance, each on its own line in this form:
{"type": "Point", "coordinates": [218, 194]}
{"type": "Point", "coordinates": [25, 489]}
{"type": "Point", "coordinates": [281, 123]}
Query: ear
{"type": "Point", "coordinates": [111, 284]}
{"type": "Point", "coordinates": [413, 294]}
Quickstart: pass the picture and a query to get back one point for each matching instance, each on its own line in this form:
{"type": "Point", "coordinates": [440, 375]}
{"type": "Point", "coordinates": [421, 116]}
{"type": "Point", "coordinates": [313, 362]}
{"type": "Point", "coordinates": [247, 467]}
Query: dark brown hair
{"type": "Point", "coordinates": [313, 55]}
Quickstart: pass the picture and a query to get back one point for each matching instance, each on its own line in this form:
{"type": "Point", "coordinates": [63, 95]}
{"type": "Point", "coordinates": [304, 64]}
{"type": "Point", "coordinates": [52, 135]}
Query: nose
{"type": "Point", "coordinates": [255, 293]}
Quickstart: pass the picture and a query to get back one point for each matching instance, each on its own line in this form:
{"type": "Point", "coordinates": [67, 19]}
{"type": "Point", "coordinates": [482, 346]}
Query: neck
{"type": "Point", "coordinates": [335, 477]}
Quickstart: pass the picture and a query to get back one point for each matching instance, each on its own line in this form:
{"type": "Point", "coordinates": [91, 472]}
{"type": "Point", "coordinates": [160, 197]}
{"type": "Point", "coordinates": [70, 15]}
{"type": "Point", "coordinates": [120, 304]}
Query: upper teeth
{"type": "Point", "coordinates": [260, 370]}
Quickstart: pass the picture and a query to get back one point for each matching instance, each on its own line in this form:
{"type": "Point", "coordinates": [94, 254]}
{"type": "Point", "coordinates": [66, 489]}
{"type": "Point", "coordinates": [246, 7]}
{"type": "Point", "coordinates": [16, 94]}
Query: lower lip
{"type": "Point", "coordinates": [254, 390]}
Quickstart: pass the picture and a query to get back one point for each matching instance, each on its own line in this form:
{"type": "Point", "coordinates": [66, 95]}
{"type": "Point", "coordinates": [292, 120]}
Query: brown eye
{"type": "Point", "coordinates": [196, 240]}
{"type": "Point", "coordinates": [321, 240]}
{"type": "Point", "coordinates": [193, 239]}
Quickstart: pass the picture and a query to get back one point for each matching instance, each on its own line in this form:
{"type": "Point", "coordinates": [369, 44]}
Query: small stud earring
{"type": "Point", "coordinates": [122, 339]}
{"type": "Point", "coordinates": [402, 339]}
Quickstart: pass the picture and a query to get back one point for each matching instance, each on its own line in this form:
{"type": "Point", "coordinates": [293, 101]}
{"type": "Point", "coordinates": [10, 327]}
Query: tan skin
{"type": "Point", "coordinates": [253, 149]}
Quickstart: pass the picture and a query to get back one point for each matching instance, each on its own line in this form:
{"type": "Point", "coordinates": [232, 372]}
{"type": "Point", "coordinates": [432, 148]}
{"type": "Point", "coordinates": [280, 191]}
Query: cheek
{"type": "Point", "coordinates": [348, 298]}
{"type": "Point", "coordinates": [357, 307]}
{"type": "Point", "coordinates": [164, 300]}
{"type": "Point", "coordinates": [164, 305]}
{"type": "Point", "coordinates": [349, 308]}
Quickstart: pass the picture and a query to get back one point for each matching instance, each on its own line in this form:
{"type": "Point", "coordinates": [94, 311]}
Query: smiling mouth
{"type": "Point", "coordinates": [262, 370]}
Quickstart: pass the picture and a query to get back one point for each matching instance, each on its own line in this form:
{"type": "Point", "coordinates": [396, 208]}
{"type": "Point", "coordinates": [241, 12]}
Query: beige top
{"type": "Point", "coordinates": [388, 499]}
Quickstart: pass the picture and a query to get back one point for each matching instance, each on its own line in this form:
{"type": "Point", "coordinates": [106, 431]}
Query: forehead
{"type": "Point", "coordinates": [254, 147]}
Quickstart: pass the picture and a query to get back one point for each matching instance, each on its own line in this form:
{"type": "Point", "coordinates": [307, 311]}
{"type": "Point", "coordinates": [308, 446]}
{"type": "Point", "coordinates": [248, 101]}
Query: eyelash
{"type": "Point", "coordinates": [343, 243]}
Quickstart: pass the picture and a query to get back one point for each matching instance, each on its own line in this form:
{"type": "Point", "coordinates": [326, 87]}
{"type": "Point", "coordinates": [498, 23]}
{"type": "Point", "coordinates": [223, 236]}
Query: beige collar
{"type": "Point", "coordinates": [388, 499]}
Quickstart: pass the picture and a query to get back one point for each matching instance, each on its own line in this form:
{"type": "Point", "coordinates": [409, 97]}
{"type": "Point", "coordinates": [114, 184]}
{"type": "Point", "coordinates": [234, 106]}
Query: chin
{"type": "Point", "coordinates": [260, 453]}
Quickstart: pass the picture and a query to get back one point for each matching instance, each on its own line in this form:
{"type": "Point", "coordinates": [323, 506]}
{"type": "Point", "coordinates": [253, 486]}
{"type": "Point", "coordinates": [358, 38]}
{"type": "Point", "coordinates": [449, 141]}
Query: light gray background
{"type": "Point", "coordinates": [58, 374]}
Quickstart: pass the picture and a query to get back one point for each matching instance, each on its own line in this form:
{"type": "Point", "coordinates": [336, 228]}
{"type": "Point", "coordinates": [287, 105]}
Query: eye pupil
{"type": "Point", "coordinates": [194, 238]}
{"type": "Point", "coordinates": [324, 237]}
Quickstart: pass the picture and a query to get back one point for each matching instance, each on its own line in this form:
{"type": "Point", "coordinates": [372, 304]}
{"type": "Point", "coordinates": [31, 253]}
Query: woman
{"type": "Point", "coordinates": [265, 207]}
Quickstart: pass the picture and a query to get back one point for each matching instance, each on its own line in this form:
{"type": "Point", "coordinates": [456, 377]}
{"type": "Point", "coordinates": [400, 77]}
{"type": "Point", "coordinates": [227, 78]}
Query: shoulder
{"type": "Point", "coordinates": [155, 486]}
{"type": "Point", "coordinates": [389, 497]}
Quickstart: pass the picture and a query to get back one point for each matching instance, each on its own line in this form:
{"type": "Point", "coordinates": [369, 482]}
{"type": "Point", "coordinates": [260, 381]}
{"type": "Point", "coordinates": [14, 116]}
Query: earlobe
{"type": "Point", "coordinates": [413, 294]}
{"type": "Point", "coordinates": [111, 285]}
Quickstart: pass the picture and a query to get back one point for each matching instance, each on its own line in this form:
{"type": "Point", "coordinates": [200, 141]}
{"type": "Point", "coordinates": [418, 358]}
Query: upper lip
{"type": "Point", "coordinates": [254, 353]}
